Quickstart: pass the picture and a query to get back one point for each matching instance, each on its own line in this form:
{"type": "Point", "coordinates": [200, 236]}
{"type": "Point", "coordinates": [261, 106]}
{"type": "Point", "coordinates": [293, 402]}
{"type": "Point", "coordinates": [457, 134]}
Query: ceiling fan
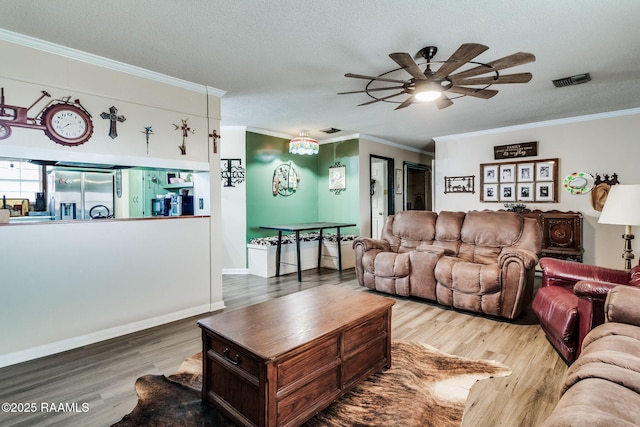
{"type": "Point", "coordinates": [430, 85]}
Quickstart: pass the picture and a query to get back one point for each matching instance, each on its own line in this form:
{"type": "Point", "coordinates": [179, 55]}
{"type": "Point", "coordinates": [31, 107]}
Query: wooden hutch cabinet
{"type": "Point", "coordinates": [561, 234]}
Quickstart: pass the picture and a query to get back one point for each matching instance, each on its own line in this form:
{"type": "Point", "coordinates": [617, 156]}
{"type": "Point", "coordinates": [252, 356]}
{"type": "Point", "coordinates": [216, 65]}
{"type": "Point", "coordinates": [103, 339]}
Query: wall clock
{"type": "Point", "coordinates": [67, 124]}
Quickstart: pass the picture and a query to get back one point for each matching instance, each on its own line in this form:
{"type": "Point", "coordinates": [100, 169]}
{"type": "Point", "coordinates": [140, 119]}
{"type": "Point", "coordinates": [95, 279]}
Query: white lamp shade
{"type": "Point", "coordinates": [622, 206]}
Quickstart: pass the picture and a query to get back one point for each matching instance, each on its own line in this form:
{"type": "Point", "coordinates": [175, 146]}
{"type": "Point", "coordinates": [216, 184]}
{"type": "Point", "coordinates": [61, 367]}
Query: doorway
{"type": "Point", "coordinates": [417, 194]}
{"type": "Point", "coordinates": [381, 192]}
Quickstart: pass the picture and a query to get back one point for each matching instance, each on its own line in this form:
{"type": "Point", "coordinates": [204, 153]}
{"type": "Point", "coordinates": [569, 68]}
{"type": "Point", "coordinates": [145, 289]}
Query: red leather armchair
{"type": "Point", "coordinates": [570, 301]}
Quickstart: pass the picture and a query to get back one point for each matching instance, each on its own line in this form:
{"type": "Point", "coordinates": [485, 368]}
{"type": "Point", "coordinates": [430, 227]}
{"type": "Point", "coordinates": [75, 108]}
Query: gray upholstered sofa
{"type": "Point", "coordinates": [480, 261]}
{"type": "Point", "coordinates": [602, 386]}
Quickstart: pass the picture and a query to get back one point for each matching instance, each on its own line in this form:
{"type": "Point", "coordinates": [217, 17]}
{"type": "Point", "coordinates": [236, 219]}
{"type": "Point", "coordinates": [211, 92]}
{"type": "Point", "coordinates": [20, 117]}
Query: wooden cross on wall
{"type": "Point", "coordinates": [215, 137]}
{"type": "Point", "coordinates": [185, 134]}
{"type": "Point", "coordinates": [113, 116]}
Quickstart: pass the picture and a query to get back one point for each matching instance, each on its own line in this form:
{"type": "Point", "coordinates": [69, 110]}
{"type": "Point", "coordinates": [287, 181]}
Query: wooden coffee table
{"type": "Point", "coordinates": [280, 362]}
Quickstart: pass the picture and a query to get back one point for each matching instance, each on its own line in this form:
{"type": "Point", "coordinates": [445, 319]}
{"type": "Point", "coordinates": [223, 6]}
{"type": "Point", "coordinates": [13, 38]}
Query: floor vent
{"type": "Point", "coordinates": [573, 80]}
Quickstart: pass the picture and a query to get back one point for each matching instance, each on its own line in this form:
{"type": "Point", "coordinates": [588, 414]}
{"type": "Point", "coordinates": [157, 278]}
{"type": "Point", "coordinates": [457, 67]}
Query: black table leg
{"type": "Point", "coordinates": [298, 255]}
{"type": "Point", "coordinates": [320, 250]}
{"type": "Point", "coordinates": [339, 250]}
{"type": "Point", "coordinates": [278, 248]}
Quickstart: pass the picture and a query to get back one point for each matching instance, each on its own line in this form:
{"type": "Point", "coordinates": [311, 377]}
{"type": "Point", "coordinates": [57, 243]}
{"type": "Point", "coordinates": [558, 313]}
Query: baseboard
{"type": "Point", "coordinates": [235, 271]}
{"type": "Point", "coordinates": [94, 337]}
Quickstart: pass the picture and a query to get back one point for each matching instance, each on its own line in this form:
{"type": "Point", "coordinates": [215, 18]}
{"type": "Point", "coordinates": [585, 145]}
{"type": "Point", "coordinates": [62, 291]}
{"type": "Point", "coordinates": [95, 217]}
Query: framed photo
{"type": "Point", "coordinates": [399, 178]}
{"type": "Point", "coordinates": [545, 171]}
{"type": "Point", "coordinates": [490, 193]}
{"type": "Point", "coordinates": [337, 177]}
{"type": "Point", "coordinates": [508, 173]}
{"type": "Point", "coordinates": [490, 174]}
{"type": "Point", "coordinates": [525, 172]}
{"type": "Point", "coordinates": [544, 192]}
{"type": "Point", "coordinates": [526, 191]}
{"type": "Point", "coordinates": [507, 192]}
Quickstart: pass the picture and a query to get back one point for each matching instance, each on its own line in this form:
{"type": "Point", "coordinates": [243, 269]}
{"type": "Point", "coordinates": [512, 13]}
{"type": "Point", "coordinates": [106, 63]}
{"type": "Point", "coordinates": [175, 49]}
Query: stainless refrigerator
{"type": "Point", "coordinates": [75, 194]}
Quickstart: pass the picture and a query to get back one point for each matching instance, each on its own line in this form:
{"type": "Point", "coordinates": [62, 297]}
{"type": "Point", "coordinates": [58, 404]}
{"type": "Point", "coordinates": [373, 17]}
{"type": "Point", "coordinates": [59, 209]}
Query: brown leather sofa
{"type": "Point", "coordinates": [602, 387]}
{"type": "Point", "coordinates": [570, 301]}
{"type": "Point", "coordinates": [480, 261]}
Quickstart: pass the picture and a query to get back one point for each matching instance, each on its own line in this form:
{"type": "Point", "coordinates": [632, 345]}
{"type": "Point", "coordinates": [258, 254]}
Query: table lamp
{"type": "Point", "coordinates": [622, 207]}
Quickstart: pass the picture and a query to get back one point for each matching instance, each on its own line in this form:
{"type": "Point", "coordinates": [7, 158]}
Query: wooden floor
{"type": "Point", "coordinates": [103, 375]}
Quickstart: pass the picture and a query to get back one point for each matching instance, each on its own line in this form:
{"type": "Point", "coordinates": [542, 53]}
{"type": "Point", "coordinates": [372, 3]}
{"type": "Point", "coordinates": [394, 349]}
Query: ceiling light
{"type": "Point", "coordinates": [427, 91]}
{"type": "Point", "coordinates": [303, 144]}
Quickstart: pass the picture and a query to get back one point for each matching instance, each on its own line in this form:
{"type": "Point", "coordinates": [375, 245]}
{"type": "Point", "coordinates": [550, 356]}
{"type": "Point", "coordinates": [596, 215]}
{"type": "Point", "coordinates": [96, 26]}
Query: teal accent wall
{"type": "Point", "coordinates": [264, 154]}
{"type": "Point", "coordinates": [342, 207]}
{"type": "Point", "coordinates": [312, 200]}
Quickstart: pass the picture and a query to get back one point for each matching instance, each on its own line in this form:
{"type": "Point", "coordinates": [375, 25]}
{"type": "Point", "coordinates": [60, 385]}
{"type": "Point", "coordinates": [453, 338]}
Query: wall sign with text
{"type": "Point", "coordinates": [525, 149]}
{"type": "Point", "coordinates": [523, 181]}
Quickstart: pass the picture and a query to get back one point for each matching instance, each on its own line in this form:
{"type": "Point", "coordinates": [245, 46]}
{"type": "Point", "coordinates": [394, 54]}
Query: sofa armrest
{"type": "Point", "coordinates": [622, 305]}
{"type": "Point", "coordinates": [528, 258]}
{"type": "Point", "coordinates": [593, 289]}
{"type": "Point", "coordinates": [574, 272]}
{"type": "Point", "coordinates": [367, 243]}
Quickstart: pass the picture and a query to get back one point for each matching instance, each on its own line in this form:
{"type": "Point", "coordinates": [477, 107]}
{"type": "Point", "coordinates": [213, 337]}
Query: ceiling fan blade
{"type": "Point", "coordinates": [380, 99]}
{"type": "Point", "coordinates": [382, 79]}
{"type": "Point", "coordinates": [406, 61]}
{"type": "Point", "coordinates": [505, 78]}
{"type": "Point", "coordinates": [406, 103]}
{"type": "Point", "coordinates": [443, 102]}
{"type": "Point", "coordinates": [371, 90]}
{"type": "Point", "coordinates": [499, 64]}
{"type": "Point", "coordinates": [478, 93]}
{"type": "Point", "coordinates": [464, 54]}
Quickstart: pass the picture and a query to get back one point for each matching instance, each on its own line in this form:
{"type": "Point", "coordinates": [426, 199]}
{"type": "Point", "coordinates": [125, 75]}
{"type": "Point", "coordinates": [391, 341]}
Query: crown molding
{"type": "Point", "coordinates": [78, 55]}
{"type": "Point", "coordinates": [546, 123]}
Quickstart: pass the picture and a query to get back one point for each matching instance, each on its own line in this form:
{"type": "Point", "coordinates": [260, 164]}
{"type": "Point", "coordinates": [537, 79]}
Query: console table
{"type": "Point", "coordinates": [307, 226]}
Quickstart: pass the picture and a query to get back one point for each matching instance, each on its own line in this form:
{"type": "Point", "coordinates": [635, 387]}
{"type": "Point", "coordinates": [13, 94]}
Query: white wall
{"type": "Point", "coordinates": [66, 285]}
{"type": "Point", "coordinates": [233, 145]}
{"type": "Point", "coordinates": [604, 144]}
{"type": "Point", "coordinates": [368, 146]}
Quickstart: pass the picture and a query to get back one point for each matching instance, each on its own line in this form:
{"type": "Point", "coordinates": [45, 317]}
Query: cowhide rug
{"type": "Point", "coordinates": [423, 387]}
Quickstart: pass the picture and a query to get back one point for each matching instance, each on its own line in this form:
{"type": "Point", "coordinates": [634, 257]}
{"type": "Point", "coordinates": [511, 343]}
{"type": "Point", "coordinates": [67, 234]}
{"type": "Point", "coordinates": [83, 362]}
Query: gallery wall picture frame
{"type": "Point", "coordinates": [490, 174]}
{"type": "Point", "coordinates": [544, 171]}
{"type": "Point", "coordinates": [526, 192]}
{"type": "Point", "coordinates": [508, 192]}
{"type": "Point", "coordinates": [508, 173]}
{"type": "Point", "coordinates": [545, 191]}
{"type": "Point", "coordinates": [526, 172]}
{"type": "Point", "coordinates": [490, 193]}
{"type": "Point", "coordinates": [518, 181]}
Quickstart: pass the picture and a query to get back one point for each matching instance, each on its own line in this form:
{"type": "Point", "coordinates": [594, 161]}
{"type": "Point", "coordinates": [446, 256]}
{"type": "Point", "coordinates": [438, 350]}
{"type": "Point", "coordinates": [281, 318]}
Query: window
{"type": "Point", "coordinates": [20, 180]}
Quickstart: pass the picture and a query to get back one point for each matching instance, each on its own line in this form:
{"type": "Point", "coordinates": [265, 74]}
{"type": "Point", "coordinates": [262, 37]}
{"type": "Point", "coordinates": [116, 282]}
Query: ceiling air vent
{"type": "Point", "coordinates": [330, 130]}
{"type": "Point", "coordinates": [573, 80]}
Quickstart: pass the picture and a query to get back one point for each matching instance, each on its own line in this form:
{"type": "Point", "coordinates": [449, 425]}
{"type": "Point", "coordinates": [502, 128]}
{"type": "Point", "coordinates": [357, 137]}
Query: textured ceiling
{"type": "Point", "coordinates": [282, 62]}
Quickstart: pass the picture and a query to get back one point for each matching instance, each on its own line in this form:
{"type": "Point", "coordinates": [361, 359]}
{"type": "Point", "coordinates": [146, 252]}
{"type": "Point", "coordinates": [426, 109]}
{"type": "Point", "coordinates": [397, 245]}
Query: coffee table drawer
{"type": "Point", "coordinates": [235, 356]}
{"type": "Point", "coordinates": [364, 333]}
{"type": "Point", "coordinates": [309, 362]}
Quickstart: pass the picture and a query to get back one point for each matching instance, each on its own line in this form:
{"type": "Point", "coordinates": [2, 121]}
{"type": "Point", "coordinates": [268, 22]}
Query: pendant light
{"type": "Point", "coordinates": [303, 144]}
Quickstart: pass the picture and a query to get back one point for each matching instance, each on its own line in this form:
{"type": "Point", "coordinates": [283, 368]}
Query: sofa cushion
{"type": "Point", "coordinates": [491, 228]}
{"type": "Point", "coordinates": [414, 228]}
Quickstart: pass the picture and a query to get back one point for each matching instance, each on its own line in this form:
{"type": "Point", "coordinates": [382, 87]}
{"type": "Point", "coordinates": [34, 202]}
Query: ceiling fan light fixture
{"type": "Point", "coordinates": [304, 144]}
{"type": "Point", "coordinates": [427, 91]}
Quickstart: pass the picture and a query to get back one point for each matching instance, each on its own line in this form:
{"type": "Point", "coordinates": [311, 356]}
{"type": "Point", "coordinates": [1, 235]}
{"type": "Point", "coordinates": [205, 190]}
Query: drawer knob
{"type": "Point", "coordinates": [236, 360]}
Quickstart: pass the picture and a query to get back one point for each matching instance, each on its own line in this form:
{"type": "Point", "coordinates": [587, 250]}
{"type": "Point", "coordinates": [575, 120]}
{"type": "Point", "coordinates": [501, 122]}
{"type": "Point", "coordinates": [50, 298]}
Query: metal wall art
{"type": "Point", "coordinates": [337, 178]}
{"type": "Point", "coordinates": [114, 118]}
{"type": "Point", "coordinates": [459, 184]}
{"type": "Point", "coordinates": [285, 180]}
{"type": "Point", "coordinates": [185, 134]}
{"type": "Point", "coordinates": [64, 122]}
{"type": "Point", "coordinates": [147, 131]}
{"type": "Point", "coordinates": [232, 172]}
